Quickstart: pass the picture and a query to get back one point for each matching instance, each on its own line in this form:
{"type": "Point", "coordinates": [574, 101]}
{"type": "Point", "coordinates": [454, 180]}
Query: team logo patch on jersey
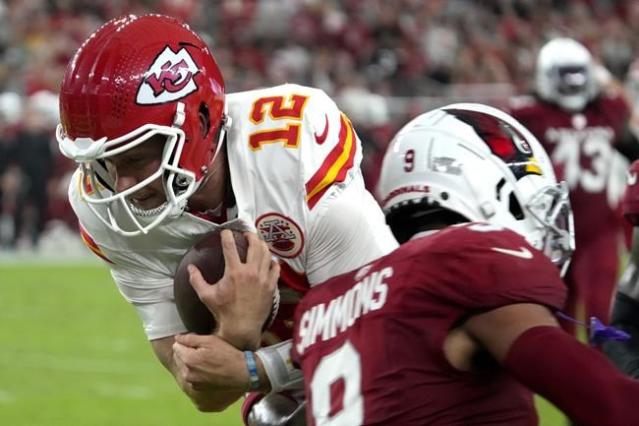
{"type": "Point", "coordinates": [169, 78]}
{"type": "Point", "coordinates": [283, 235]}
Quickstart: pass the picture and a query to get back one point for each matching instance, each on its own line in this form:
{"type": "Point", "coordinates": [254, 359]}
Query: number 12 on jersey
{"type": "Point", "coordinates": [289, 108]}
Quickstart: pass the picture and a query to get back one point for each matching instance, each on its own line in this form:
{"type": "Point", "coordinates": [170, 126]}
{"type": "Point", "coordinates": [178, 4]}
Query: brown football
{"type": "Point", "coordinates": [207, 255]}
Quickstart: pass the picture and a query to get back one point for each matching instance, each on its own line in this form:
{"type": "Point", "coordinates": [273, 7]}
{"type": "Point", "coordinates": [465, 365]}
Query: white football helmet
{"type": "Point", "coordinates": [480, 163]}
{"type": "Point", "coordinates": [565, 74]}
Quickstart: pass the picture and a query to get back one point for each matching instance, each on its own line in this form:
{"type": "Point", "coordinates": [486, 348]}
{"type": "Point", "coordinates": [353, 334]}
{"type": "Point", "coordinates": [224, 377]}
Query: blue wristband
{"type": "Point", "coordinates": [254, 379]}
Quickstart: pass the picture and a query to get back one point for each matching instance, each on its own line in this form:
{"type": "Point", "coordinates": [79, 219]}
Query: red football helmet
{"type": "Point", "coordinates": [630, 202]}
{"type": "Point", "coordinates": [134, 78]}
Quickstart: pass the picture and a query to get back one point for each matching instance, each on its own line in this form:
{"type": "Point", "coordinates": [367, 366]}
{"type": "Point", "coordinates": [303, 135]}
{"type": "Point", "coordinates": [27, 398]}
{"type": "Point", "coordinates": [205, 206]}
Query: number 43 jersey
{"type": "Point", "coordinates": [581, 146]}
{"type": "Point", "coordinates": [370, 342]}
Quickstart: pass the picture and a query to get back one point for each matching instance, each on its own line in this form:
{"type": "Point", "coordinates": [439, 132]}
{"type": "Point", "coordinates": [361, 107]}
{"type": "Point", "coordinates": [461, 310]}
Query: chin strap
{"type": "Point", "coordinates": [227, 122]}
{"type": "Point", "coordinates": [180, 116]}
{"type": "Point", "coordinates": [80, 149]}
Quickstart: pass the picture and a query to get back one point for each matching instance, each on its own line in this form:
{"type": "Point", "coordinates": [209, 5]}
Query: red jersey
{"type": "Point", "coordinates": [630, 204]}
{"type": "Point", "coordinates": [581, 147]}
{"type": "Point", "coordinates": [370, 342]}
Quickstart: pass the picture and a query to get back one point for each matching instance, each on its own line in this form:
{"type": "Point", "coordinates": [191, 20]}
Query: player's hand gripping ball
{"type": "Point", "coordinates": [207, 255]}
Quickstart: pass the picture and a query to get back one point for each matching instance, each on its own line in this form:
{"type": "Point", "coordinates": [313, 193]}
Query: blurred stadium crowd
{"type": "Point", "coordinates": [383, 61]}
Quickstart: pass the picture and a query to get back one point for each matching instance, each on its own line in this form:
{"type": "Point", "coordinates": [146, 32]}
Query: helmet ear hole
{"type": "Point", "coordinates": [498, 188]}
{"type": "Point", "coordinates": [514, 207]}
{"type": "Point", "coordinates": [205, 119]}
{"type": "Point", "coordinates": [415, 216]}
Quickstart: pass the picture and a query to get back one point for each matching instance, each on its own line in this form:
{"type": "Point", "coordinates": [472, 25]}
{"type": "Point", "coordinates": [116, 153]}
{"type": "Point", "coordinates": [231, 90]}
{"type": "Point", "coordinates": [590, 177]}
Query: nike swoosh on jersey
{"type": "Point", "coordinates": [522, 253]}
{"type": "Point", "coordinates": [320, 139]}
{"type": "Point", "coordinates": [632, 178]}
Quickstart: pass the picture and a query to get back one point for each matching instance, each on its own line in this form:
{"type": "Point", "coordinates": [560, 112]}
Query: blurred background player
{"type": "Point", "coordinates": [584, 128]}
{"type": "Point", "coordinates": [164, 157]}
{"type": "Point", "coordinates": [26, 166]}
{"type": "Point", "coordinates": [625, 312]}
{"type": "Point", "coordinates": [450, 327]}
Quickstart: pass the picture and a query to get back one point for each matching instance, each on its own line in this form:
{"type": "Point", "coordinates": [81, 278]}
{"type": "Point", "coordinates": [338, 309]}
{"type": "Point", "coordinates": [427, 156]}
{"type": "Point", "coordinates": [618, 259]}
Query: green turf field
{"type": "Point", "coordinates": [72, 352]}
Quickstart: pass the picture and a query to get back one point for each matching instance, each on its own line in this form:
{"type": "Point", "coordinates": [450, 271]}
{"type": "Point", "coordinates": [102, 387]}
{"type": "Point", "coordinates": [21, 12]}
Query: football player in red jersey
{"type": "Point", "coordinates": [625, 312]}
{"type": "Point", "coordinates": [456, 326]}
{"type": "Point", "coordinates": [165, 155]}
{"type": "Point", "coordinates": [584, 128]}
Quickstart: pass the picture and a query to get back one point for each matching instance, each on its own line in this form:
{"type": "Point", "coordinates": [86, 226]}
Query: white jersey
{"type": "Point", "coordinates": [294, 163]}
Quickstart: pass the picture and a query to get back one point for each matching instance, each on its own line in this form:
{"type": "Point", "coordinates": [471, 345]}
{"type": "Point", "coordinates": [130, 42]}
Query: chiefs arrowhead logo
{"type": "Point", "coordinates": [169, 78]}
{"type": "Point", "coordinates": [281, 233]}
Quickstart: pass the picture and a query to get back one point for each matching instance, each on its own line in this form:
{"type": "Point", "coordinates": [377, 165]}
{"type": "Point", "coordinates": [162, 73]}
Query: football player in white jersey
{"type": "Point", "coordinates": [164, 157]}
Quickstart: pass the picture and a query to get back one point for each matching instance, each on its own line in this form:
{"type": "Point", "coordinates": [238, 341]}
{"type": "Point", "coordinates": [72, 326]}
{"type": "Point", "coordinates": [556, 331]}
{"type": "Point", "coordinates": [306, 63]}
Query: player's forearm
{"type": "Point", "coordinates": [576, 378]}
{"type": "Point", "coordinates": [243, 338]}
{"type": "Point", "coordinates": [211, 398]}
{"type": "Point", "coordinates": [208, 399]}
{"type": "Point", "coordinates": [625, 355]}
{"type": "Point", "coordinates": [163, 349]}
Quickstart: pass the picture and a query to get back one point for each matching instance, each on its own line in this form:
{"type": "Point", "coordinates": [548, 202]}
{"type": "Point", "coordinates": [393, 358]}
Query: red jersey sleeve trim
{"type": "Point", "coordinates": [92, 245]}
{"type": "Point", "coordinates": [336, 165]}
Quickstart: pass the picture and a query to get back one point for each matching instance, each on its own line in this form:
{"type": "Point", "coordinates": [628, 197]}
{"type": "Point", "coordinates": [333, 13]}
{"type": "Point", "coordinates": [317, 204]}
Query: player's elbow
{"type": "Point", "coordinates": [210, 406]}
{"type": "Point", "coordinates": [213, 402]}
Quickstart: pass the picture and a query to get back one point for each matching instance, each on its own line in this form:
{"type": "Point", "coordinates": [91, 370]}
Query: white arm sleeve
{"type": "Point", "coordinates": [154, 303]}
{"type": "Point", "coordinates": [160, 319]}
